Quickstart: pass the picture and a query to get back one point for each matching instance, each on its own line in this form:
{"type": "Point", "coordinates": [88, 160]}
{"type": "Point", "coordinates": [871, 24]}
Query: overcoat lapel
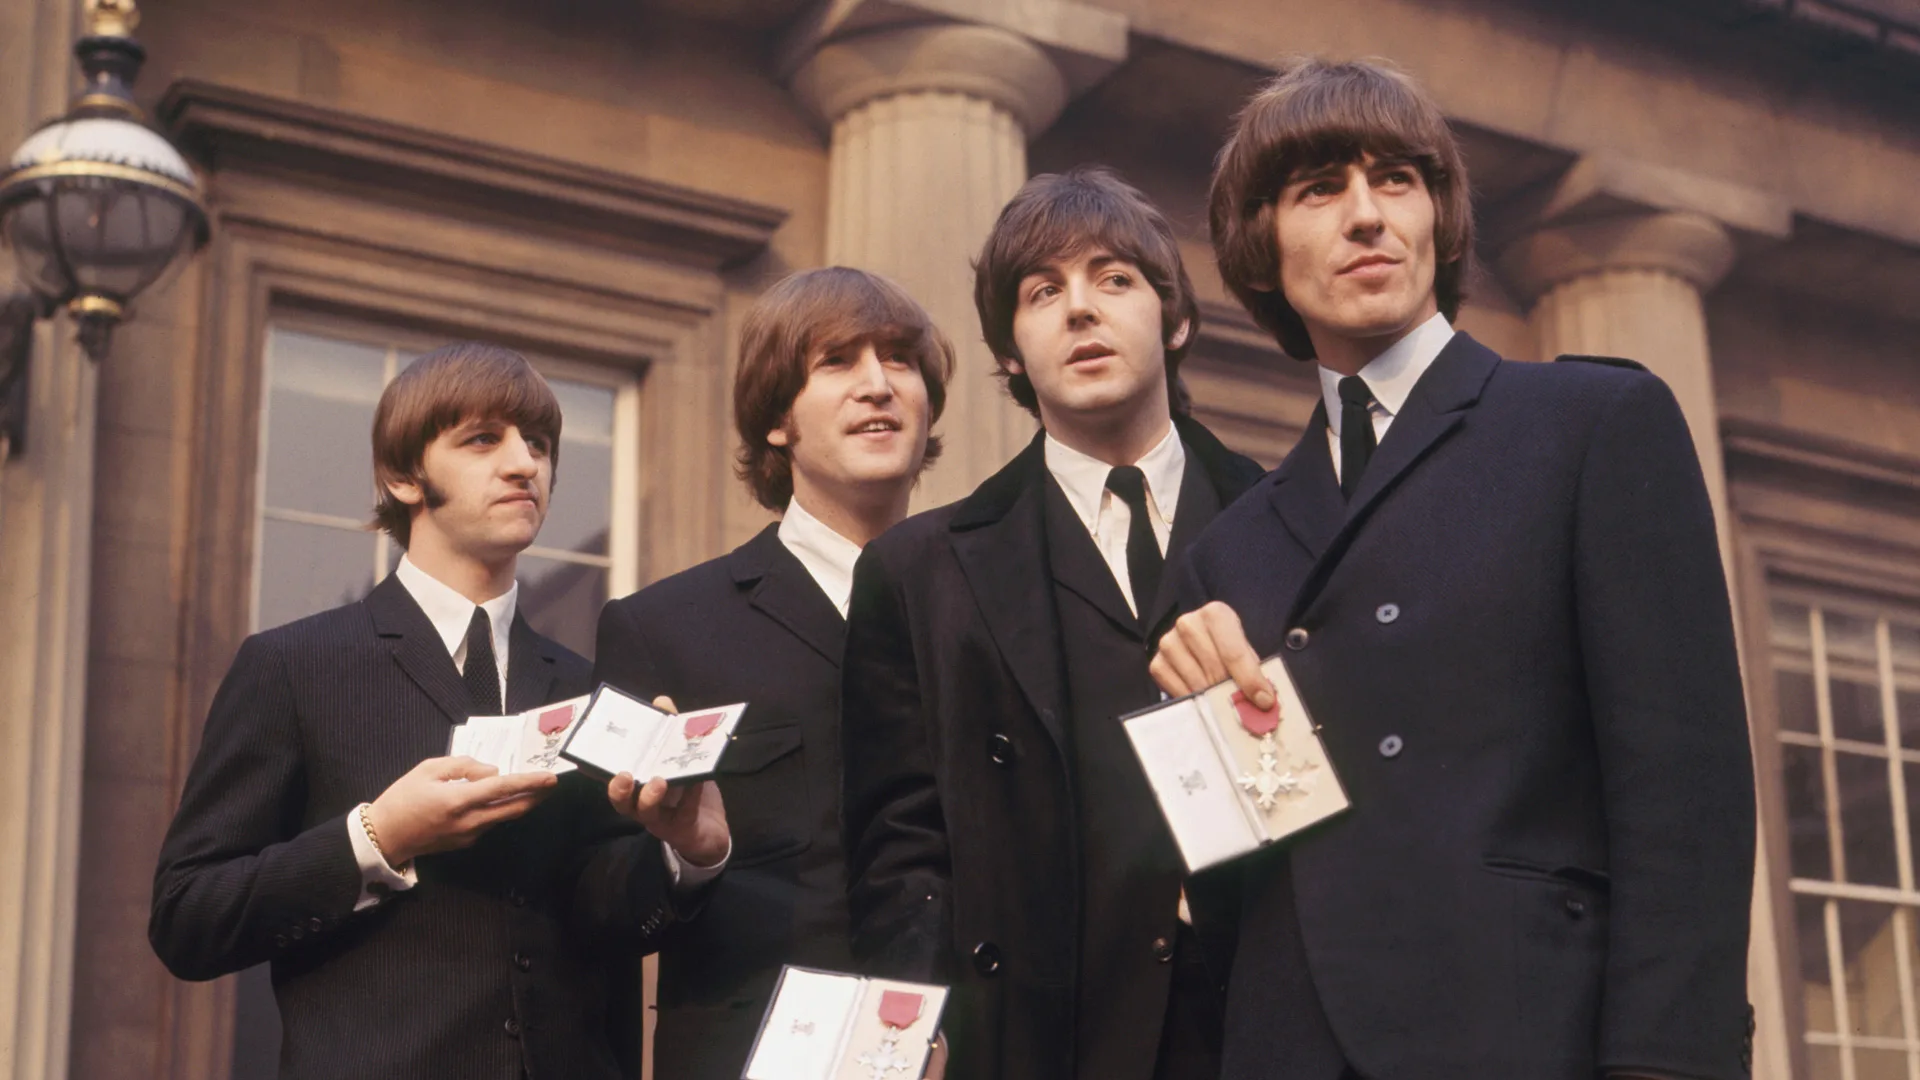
{"type": "Point", "coordinates": [785, 592]}
{"type": "Point", "coordinates": [530, 670]}
{"type": "Point", "coordinates": [1077, 564]}
{"type": "Point", "coordinates": [417, 647]}
{"type": "Point", "coordinates": [1437, 407]}
{"type": "Point", "coordinates": [999, 538]}
{"type": "Point", "coordinates": [1305, 493]}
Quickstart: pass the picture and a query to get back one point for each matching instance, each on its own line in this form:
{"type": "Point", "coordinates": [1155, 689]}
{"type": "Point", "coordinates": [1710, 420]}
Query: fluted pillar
{"type": "Point", "coordinates": [46, 517]}
{"type": "Point", "coordinates": [929, 124]}
{"type": "Point", "coordinates": [1630, 284]}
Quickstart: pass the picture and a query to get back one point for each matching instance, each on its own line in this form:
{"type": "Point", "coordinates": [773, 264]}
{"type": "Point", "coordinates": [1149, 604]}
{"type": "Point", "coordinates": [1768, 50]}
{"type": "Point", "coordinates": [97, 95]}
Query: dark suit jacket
{"type": "Point", "coordinates": [749, 626]}
{"type": "Point", "coordinates": [960, 808]}
{"type": "Point", "coordinates": [1518, 641]}
{"type": "Point", "coordinates": [494, 965]}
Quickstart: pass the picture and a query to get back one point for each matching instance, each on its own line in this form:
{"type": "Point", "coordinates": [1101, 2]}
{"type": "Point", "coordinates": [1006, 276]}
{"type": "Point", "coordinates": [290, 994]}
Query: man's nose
{"type": "Point", "coordinates": [872, 372]}
{"type": "Point", "coordinates": [1363, 208]}
{"type": "Point", "coordinates": [517, 456]}
{"type": "Point", "coordinates": [1081, 308]}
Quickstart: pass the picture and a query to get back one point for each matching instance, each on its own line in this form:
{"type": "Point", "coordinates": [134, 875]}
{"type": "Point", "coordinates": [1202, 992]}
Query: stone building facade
{"type": "Point", "coordinates": [1721, 189]}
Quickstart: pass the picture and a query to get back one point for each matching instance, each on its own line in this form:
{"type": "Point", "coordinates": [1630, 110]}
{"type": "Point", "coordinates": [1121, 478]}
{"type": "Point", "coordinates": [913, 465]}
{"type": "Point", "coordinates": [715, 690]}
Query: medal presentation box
{"type": "Point", "coordinates": [620, 733]}
{"type": "Point", "coordinates": [827, 1026]}
{"type": "Point", "coordinates": [522, 742]}
{"type": "Point", "coordinates": [1231, 779]}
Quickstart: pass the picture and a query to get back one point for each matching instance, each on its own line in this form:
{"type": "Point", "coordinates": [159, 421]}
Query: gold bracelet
{"type": "Point", "coordinates": [366, 822]}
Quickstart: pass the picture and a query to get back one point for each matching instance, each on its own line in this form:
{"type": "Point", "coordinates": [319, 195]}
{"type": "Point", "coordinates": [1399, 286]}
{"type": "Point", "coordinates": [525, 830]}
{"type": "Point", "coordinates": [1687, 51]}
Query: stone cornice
{"type": "Point", "coordinates": [230, 128]}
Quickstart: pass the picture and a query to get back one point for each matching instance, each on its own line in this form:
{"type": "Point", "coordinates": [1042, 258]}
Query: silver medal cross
{"type": "Point", "coordinates": [693, 753]}
{"type": "Point", "coordinates": [1272, 781]}
{"type": "Point", "coordinates": [880, 1062]}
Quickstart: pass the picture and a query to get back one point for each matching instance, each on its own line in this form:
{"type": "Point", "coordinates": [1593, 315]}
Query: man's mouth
{"type": "Point", "coordinates": [1366, 261]}
{"type": "Point", "coordinates": [877, 425]}
{"type": "Point", "coordinates": [1092, 350]}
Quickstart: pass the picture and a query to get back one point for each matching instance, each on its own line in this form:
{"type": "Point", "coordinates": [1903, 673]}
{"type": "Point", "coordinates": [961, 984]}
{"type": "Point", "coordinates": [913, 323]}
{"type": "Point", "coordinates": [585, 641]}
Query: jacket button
{"type": "Point", "coordinates": [1576, 907]}
{"type": "Point", "coordinates": [1000, 749]}
{"type": "Point", "coordinates": [1391, 746]}
{"type": "Point", "coordinates": [1163, 950]}
{"type": "Point", "coordinates": [1297, 639]}
{"type": "Point", "coordinates": [1386, 613]}
{"type": "Point", "coordinates": [986, 958]}
{"type": "Point", "coordinates": [1046, 715]}
{"type": "Point", "coordinates": [523, 961]}
{"type": "Point", "coordinates": [516, 898]}
{"type": "Point", "coordinates": [297, 932]}
{"type": "Point", "coordinates": [316, 924]}
{"type": "Point", "coordinates": [512, 1027]}
{"type": "Point", "coordinates": [280, 941]}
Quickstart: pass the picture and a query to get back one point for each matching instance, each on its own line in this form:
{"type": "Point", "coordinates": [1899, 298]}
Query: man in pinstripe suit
{"type": "Point", "coordinates": [425, 917]}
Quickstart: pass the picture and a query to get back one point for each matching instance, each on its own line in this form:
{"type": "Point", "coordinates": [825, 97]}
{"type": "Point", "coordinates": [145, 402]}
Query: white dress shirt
{"type": "Point", "coordinates": [1106, 516]}
{"type": "Point", "coordinates": [828, 556]}
{"type": "Point", "coordinates": [451, 614]}
{"type": "Point", "coordinates": [1390, 376]}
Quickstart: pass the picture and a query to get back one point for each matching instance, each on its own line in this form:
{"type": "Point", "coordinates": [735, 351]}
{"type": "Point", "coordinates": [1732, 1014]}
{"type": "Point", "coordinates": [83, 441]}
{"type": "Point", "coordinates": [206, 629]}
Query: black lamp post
{"type": "Point", "coordinates": [95, 205]}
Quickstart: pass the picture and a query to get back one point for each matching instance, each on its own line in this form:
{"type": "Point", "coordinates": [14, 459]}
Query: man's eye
{"type": "Point", "coordinates": [833, 360]}
{"type": "Point", "coordinates": [1400, 178]}
{"type": "Point", "coordinates": [1044, 292]}
{"type": "Point", "coordinates": [1120, 280]}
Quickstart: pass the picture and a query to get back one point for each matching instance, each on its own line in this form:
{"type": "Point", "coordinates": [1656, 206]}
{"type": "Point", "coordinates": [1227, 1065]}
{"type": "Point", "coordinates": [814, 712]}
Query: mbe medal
{"type": "Point", "coordinates": [1280, 773]}
{"type": "Point", "coordinates": [898, 1011]}
{"type": "Point", "coordinates": [696, 729]}
{"type": "Point", "coordinates": [553, 724]}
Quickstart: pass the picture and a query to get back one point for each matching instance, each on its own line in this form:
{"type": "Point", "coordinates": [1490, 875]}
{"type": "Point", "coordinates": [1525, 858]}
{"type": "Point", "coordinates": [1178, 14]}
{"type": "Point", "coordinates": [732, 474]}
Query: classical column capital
{"type": "Point", "coordinates": [1030, 57]}
{"type": "Point", "coordinates": [984, 62]}
{"type": "Point", "coordinates": [1689, 246]}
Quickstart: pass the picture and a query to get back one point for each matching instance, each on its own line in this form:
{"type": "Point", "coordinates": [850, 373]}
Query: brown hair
{"type": "Point", "coordinates": [443, 389]}
{"type": "Point", "coordinates": [1057, 216]}
{"type": "Point", "coordinates": [802, 316]}
{"type": "Point", "coordinates": [1314, 113]}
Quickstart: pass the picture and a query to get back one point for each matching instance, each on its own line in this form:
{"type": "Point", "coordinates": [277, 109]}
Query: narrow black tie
{"type": "Point", "coordinates": [1356, 432]}
{"type": "Point", "coordinates": [482, 673]}
{"type": "Point", "coordinates": [1143, 549]}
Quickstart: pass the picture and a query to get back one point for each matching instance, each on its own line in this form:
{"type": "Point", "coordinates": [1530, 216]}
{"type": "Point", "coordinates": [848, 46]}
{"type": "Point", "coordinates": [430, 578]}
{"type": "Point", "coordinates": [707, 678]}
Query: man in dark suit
{"type": "Point", "coordinates": [424, 916]}
{"type": "Point", "coordinates": [1000, 835]}
{"type": "Point", "coordinates": [841, 377]}
{"type": "Point", "coordinates": [1498, 589]}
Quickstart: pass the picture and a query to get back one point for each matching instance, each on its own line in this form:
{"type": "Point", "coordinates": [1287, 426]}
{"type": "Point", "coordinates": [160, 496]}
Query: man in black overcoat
{"type": "Point", "coordinates": [841, 377]}
{"type": "Point", "coordinates": [423, 915]}
{"type": "Point", "coordinates": [1001, 837]}
{"type": "Point", "coordinates": [1498, 589]}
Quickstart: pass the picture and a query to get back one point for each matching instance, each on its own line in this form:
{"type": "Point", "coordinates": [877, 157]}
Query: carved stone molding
{"type": "Point", "coordinates": [976, 61]}
{"type": "Point", "coordinates": [225, 128]}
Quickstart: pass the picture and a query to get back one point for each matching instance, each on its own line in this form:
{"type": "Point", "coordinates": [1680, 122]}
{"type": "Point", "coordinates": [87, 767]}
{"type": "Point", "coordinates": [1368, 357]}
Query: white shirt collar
{"type": "Point", "coordinates": [1084, 478]}
{"type": "Point", "coordinates": [1392, 374]}
{"type": "Point", "coordinates": [827, 556]}
{"type": "Point", "coordinates": [451, 613]}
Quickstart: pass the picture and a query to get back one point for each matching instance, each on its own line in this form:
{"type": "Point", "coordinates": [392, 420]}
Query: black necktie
{"type": "Point", "coordinates": [482, 674]}
{"type": "Point", "coordinates": [1356, 432]}
{"type": "Point", "coordinates": [1143, 550]}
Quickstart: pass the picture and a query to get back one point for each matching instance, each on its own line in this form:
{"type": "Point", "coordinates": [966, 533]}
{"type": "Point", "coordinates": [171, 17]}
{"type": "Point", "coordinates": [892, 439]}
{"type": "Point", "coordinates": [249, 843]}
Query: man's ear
{"type": "Point", "coordinates": [409, 492]}
{"type": "Point", "coordinates": [778, 436]}
{"type": "Point", "coordinates": [1011, 365]}
{"type": "Point", "coordinates": [1179, 335]}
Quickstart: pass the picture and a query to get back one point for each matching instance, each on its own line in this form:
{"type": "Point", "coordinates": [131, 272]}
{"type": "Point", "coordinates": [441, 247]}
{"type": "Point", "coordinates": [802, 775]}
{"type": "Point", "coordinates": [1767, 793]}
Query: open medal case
{"type": "Point", "coordinates": [822, 1025]}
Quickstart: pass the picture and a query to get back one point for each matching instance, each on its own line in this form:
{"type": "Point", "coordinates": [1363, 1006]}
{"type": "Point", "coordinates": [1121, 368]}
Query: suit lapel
{"type": "Point", "coordinates": [785, 592]}
{"type": "Point", "coordinates": [999, 538]}
{"type": "Point", "coordinates": [530, 672]}
{"type": "Point", "coordinates": [1200, 503]}
{"type": "Point", "coordinates": [1305, 493]}
{"type": "Point", "coordinates": [417, 647]}
{"type": "Point", "coordinates": [1076, 561]}
{"type": "Point", "coordinates": [1437, 407]}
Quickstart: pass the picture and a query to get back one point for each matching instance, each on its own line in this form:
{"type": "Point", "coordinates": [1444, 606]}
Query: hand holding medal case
{"type": "Point", "coordinates": [827, 1026]}
{"type": "Point", "coordinates": [1231, 779]}
{"type": "Point", "coordinates": [522, 742]}
{"type": "Point", "coordinates": [620, 733]}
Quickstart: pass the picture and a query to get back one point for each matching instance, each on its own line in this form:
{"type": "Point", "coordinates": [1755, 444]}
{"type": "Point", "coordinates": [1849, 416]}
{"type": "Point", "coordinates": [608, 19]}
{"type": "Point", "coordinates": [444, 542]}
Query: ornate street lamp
{"type": "Point", "coordinates": [95, 205]}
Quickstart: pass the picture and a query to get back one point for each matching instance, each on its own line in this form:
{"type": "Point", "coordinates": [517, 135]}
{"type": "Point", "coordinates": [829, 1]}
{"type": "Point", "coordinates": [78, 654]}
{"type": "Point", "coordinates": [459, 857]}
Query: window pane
{"type": "Point", "coordinates": [1798, 711]}
{"type": "Point", "coordinates": [309, 568]}
{"type": "Point", "coordinates": [1791, 630]}
{"type": "Point", "coordinates": [1810, 927]}
{"type": "Point", "coordinates": [320, 399]}
{"type": "Point", "coordinates": [582, 506]}
{"type": "Point", "coordinates": [1879, 1064]}
{"type": "Point", "coordinates": [1825, 1062]}
{"type": "Point", "coordinates": [1856, 710]}
{"type": "Point", "coordinates": [1850, 639]}
{"type": "Point", "coordinates": [563, 600]}
{"type": "Point", "coordinates": [1873, 974]}
{"type": "Point", "coordinates": [1805, 791]}
{"type": "Point", "coordinates": [1866, 819]}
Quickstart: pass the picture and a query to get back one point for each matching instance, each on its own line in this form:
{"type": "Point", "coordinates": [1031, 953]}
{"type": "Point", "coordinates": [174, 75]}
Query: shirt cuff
{"type": "Point", "coordinates": [377, 880]}
{"type": "Point", "coordinates": [687, 877]}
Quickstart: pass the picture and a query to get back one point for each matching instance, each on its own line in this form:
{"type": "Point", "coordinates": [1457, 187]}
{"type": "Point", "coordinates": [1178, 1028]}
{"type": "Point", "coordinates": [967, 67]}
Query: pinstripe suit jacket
{"type": "Point", "coordinates": [496, 963]}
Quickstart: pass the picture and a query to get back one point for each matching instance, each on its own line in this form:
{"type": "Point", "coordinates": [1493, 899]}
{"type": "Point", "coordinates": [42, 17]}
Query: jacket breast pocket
{"type": "Point", "coordinates": [763, 780]}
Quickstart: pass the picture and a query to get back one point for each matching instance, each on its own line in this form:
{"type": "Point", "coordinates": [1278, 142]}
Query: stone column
{"type": "Point", "coordinates": [1629, 283]}
{"type": "Point", "coordinates": [930, 123]}
{"type": "Point", "coordinates": [46, 515]}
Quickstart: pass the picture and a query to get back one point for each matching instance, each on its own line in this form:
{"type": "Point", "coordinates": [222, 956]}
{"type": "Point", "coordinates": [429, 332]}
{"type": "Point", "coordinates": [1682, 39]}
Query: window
{"type": "Point", "coordinates": [313, 550]}
{"type": "Point", "coordinates": [1847, 682]}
